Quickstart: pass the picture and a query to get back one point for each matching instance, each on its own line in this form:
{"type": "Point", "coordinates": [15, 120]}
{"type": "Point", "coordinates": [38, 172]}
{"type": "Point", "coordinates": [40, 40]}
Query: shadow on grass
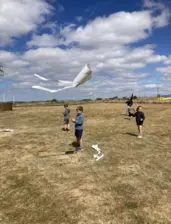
{"type": "Point", "coordinates": [63, 129]}
{"type": "Point", "coordinates": [128, 133]}
{"type": "Point", "coordinates": [70, 152]}
{"type": "Point", "coordinates": [74, 144]}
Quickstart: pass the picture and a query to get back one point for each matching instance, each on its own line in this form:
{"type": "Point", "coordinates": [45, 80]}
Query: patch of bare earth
{"type": "Point", "coordinates": [40, 184]}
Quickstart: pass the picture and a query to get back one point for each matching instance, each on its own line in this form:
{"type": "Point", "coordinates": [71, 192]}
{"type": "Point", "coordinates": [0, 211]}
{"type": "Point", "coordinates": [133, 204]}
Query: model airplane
{"type": "Point", "coordinates": [99, 154]}
{"type": "Point", "coordinates": [84, 75]}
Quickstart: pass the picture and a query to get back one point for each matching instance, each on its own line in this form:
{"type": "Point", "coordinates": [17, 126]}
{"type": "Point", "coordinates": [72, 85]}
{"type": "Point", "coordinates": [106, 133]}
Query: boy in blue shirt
{"type": "Point", "coordinates": [79, 120]}
{"type": "Point", "coordinates": [66, 117]}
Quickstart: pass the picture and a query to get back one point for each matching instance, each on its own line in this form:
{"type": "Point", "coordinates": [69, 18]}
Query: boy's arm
{"type": "Point", "coordinates": [134, 115]}
{"type": "Point", "coordinates": [65, 113]}
{"type": "Point", "coordinates": [79, 120]}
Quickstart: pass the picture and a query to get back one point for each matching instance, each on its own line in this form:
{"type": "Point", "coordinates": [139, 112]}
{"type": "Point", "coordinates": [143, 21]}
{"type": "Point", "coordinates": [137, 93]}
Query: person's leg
{"type": "Point", "coordinates": [68, 126]}
{"type": "Point", "coordinates": [140, 129]}
{"type": "Point", "coordinates": [81, 143]}
{"type": "Point", "coordinates": [65, 126]}
{"type": "Point", "coordinates": [79, 140]}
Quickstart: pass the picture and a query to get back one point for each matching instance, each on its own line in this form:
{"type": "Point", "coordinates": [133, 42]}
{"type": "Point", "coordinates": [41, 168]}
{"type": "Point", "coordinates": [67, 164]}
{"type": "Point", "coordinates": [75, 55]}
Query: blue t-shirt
{"type": "Point", "coordinates": [66, 114]}
{"type": "Point", "coordinates": [79, 122]}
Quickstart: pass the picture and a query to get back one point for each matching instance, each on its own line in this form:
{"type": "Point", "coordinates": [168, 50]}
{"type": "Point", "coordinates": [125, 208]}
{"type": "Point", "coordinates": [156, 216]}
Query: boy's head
{"type": "Point", "coordinates": [65, 105]}
{"type": "Point", "coordinates": [79, 109]}
{"type": "Point", "coordinates": [139, 108]}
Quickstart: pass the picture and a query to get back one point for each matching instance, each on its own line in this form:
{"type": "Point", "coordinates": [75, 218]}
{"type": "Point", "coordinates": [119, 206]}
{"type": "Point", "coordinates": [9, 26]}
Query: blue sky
{"type": "Point", "coordinates": [127, 44]}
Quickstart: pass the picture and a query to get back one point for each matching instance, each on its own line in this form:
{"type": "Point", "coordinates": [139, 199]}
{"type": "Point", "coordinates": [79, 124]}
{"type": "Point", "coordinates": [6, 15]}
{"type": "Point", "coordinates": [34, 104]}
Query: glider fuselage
{"type": "Point", "coordinates": [83, 76]}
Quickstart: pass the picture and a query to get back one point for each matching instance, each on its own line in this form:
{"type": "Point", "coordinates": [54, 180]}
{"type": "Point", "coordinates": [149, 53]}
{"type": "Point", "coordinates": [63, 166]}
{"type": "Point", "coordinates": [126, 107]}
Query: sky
{"type": "Point", "coordinates": [127, 45]}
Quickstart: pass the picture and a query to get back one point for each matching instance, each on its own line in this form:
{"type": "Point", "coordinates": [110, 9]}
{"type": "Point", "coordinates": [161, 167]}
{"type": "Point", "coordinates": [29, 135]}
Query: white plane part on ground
{"type": "Point", "coordinates": [84, 75]}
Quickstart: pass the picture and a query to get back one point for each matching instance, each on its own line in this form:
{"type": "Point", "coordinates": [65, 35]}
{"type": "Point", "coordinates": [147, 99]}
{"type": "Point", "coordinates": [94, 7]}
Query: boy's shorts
{"type": "Point", "coordinates": [78, 133]}
{"type": "Point", "coordinates": [140, 123]}
{"type": "Point", "coordinates": [66, 121]}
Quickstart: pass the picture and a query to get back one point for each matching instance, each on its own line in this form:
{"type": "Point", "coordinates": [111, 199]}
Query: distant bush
{"type": "Point", "coordinates": [54, 100]}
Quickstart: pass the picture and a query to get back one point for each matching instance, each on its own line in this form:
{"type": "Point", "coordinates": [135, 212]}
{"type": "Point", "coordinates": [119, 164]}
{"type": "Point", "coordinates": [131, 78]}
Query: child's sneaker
{"type": "Point", "coordinates": [139, 136]}
{"type": "Point", "coordinates": [79, 149]}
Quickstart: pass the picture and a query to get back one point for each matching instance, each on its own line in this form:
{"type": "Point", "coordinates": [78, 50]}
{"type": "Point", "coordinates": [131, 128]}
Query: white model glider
{"type": "Point", "coordinates": [84, 75]}
{"type": "Point", "coordinates": [99, 154]}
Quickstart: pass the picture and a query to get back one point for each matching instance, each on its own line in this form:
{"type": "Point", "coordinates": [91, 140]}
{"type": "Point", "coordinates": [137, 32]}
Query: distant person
{"type": "Point", "coordinates": [66, 117]}
{"type": "Point", "coordinates": [131, 111]}
{"type": "Point", "coordinates": [129, 105]}
{"type": "Point", "coordinates": [79, 120]}
{"type": "Point", "coordinates": [140, 117]}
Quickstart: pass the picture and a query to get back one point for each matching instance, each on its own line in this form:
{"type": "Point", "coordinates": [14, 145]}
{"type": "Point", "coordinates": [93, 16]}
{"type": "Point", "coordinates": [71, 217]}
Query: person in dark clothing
{"type": "Point", "coordinates": [131, 112]}
{"type": "Point", "coordinates": [140, 117]}
{"type": "Point", "coordinates": [66, 117]}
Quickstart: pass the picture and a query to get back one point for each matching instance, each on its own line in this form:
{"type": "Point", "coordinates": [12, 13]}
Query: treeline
{"type": "Point", "coordinates": [61, 101]}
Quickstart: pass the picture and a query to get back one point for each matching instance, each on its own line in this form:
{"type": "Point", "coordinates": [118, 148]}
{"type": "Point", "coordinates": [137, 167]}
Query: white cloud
{"type": "Point", "coordinates": [153, 4]}
{"type": "Point", "coordinates": [19, 17]}
{"type": "Point", "coordinates": [151, 86]}
{"type": "Point", "coordinates": [117, 29]}
{"type": "Point", "coordinates": [6, 57]}
{"type": "Point", "coordinates": [45, 40]}
{"type": "Point", "coordinates": [52, 26]}
{"type": "Point", "coordinates": [116, 63]}
{"type": "Point", "coordinates": [166, 73]}
{"type": "Point", "coordinates": [168, 61]}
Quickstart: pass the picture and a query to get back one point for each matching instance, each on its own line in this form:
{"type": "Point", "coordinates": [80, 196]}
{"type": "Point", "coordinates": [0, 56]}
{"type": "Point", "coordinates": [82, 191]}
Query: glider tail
{"type": "Point", "coordinates": [40, 77]}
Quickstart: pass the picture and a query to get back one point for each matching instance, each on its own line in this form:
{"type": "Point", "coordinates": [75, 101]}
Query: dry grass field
{"type": "Point", "coordinates": [42, 182]}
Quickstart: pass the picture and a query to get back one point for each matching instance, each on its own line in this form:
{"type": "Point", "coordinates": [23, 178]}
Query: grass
{"type": "Point", "coordinates": [40, 184]}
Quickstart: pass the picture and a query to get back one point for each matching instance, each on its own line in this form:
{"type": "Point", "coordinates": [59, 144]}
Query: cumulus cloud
{"type": "Point", "coordinates": [19, 17]}
{"type": "Point", "coordinates": [44, 40]}
{"type": "Point", "coordinates": [166, 73]}
{"type": "Point", "coordinates": [116, 29]}
{"type": "Point", "coordinates": [168, 61]}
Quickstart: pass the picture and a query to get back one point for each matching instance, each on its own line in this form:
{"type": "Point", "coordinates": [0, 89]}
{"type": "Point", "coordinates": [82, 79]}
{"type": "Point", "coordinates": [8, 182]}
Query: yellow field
{"type": "Point", "coordinates": [43, 182]}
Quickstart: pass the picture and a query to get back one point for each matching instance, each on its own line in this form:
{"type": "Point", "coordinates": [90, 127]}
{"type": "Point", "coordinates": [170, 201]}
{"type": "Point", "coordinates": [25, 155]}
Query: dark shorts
{"type": "Point", "coordinates": [66, 121]}
{"type": "Point", "coordinates": [140, 123]}
{"type": "Point", "coordinates": [131, 114]}
{"type": "Point", "coordinates": [78, 133]}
